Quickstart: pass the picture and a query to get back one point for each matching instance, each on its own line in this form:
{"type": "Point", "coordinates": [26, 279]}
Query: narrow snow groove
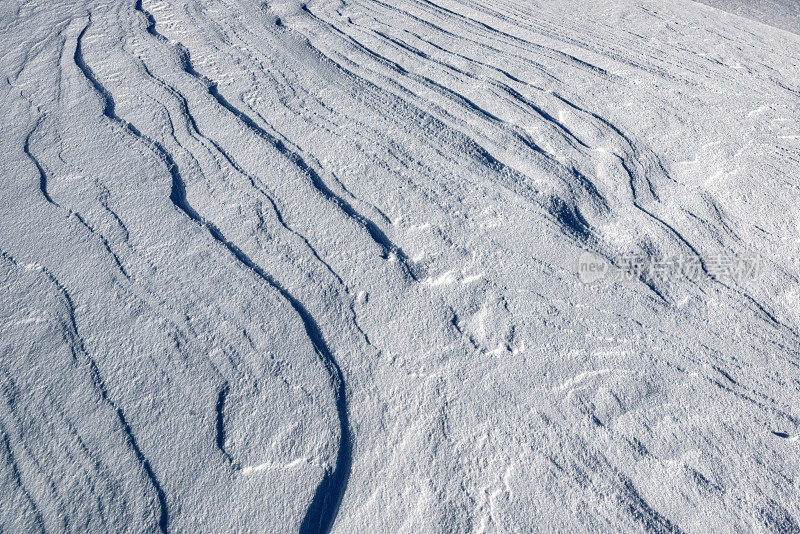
{"type": "Point", "coordinates": [567, 214]}
{"type": "Point", "coordinates": [375, 233]}
{"type": "Point", "coordinates": [108, 111]}
{"type": "Point", "coordinates": [104, 241]}
{"type": "Point", "coordinates": [42, 175]}
{"type": "Point", "coordinates": [452, 37]}
{"type": "Point", "coordinates": [38, 519]}
{"type": "Point", "coordinates": [583, 181]}
{"type": "Point", "coordinates": [43, 189]}
{"type": "Point", "coordinates": [10, 392]}
{"type": "Point", "coordinates": [325, 504]}
{"type": "Point", "coordinates": [770, 317]}
{"type": "Point", "coordinates": [550, 52]}
{"type": "Point", "coordinates": [184, 105]}
{"type": "Point", "coordinates": [219, 433]}
{"type": "Point", "coordinates": [80, 354]}
{"type": "Point", "coordinates": [372, 229]}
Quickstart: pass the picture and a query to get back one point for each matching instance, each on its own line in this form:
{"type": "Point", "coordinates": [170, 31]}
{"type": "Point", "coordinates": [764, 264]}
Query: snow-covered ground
{"type": "Point", "coordinates": [333, 266]}
{"type": "Point", "coordinates": [784, 14]}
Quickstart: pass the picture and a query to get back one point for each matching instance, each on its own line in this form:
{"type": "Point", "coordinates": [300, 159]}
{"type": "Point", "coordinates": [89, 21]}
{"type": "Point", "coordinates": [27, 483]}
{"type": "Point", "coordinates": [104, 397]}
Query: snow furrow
{"type": "Point", "coordinates": [372, 229]}
{"type": "Point", "coordinates": [42, 176]}
{"type": "Point", "coordinates": [328, 496]}
{"type": "Point", "coordinates": [229, 159]}
{"type": "Point", "coordinates": [38, 520]}
{"type": "Point", "coordinates": [81, 356]}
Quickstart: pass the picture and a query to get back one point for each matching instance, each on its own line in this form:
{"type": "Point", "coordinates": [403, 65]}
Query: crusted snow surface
{"type": "Point", "coordinates": [282, 266]}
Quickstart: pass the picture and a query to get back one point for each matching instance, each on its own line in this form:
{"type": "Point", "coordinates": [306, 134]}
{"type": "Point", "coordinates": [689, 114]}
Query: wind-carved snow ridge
{"type": "Point", "coordinates": [81, 356]}
{"type": "Point", "coordinates": [327, 498]}
{"type": "Point", "coordinates": [372, 229]}
{"type": "Point", "coordinates": [42, 176]}
{"type": "Point", "coordinates": [324, 506]}
{"type": "Point", "coordinates": [565, 206]}
{"type": "Point", "coordinates": [38, 519]}
{"type": "Point", "coordinates": [43, 189]}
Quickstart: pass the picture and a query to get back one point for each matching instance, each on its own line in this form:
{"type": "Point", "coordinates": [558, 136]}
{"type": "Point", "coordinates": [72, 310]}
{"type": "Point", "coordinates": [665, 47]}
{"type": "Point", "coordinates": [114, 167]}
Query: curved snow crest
{"type": "Point", "coordinates": [84, 361]}
{"type": "Point", "coordinates": [328, 496]}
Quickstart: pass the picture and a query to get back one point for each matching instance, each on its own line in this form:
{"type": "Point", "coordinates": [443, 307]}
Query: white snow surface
{"type": "Point", "coordinates": [281, 266]}
{"type": "Point", "coordinates": [784, 14]}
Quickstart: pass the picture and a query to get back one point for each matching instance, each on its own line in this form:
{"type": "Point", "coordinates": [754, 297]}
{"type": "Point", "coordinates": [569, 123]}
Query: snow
{"type": "Point", "coordinates": [281, 266]}
{"type": "Point", "coordinates": [784, 14]}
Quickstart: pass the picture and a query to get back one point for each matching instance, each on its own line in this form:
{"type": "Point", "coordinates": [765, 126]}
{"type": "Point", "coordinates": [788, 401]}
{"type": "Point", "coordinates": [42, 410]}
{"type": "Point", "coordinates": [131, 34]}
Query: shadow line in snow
{"type": "Point", "coordinates": [375, 233]}
{"type": "Point", "coordinates": [108, 111]}
{"type": "Point", "coordinates": [328, 496]}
